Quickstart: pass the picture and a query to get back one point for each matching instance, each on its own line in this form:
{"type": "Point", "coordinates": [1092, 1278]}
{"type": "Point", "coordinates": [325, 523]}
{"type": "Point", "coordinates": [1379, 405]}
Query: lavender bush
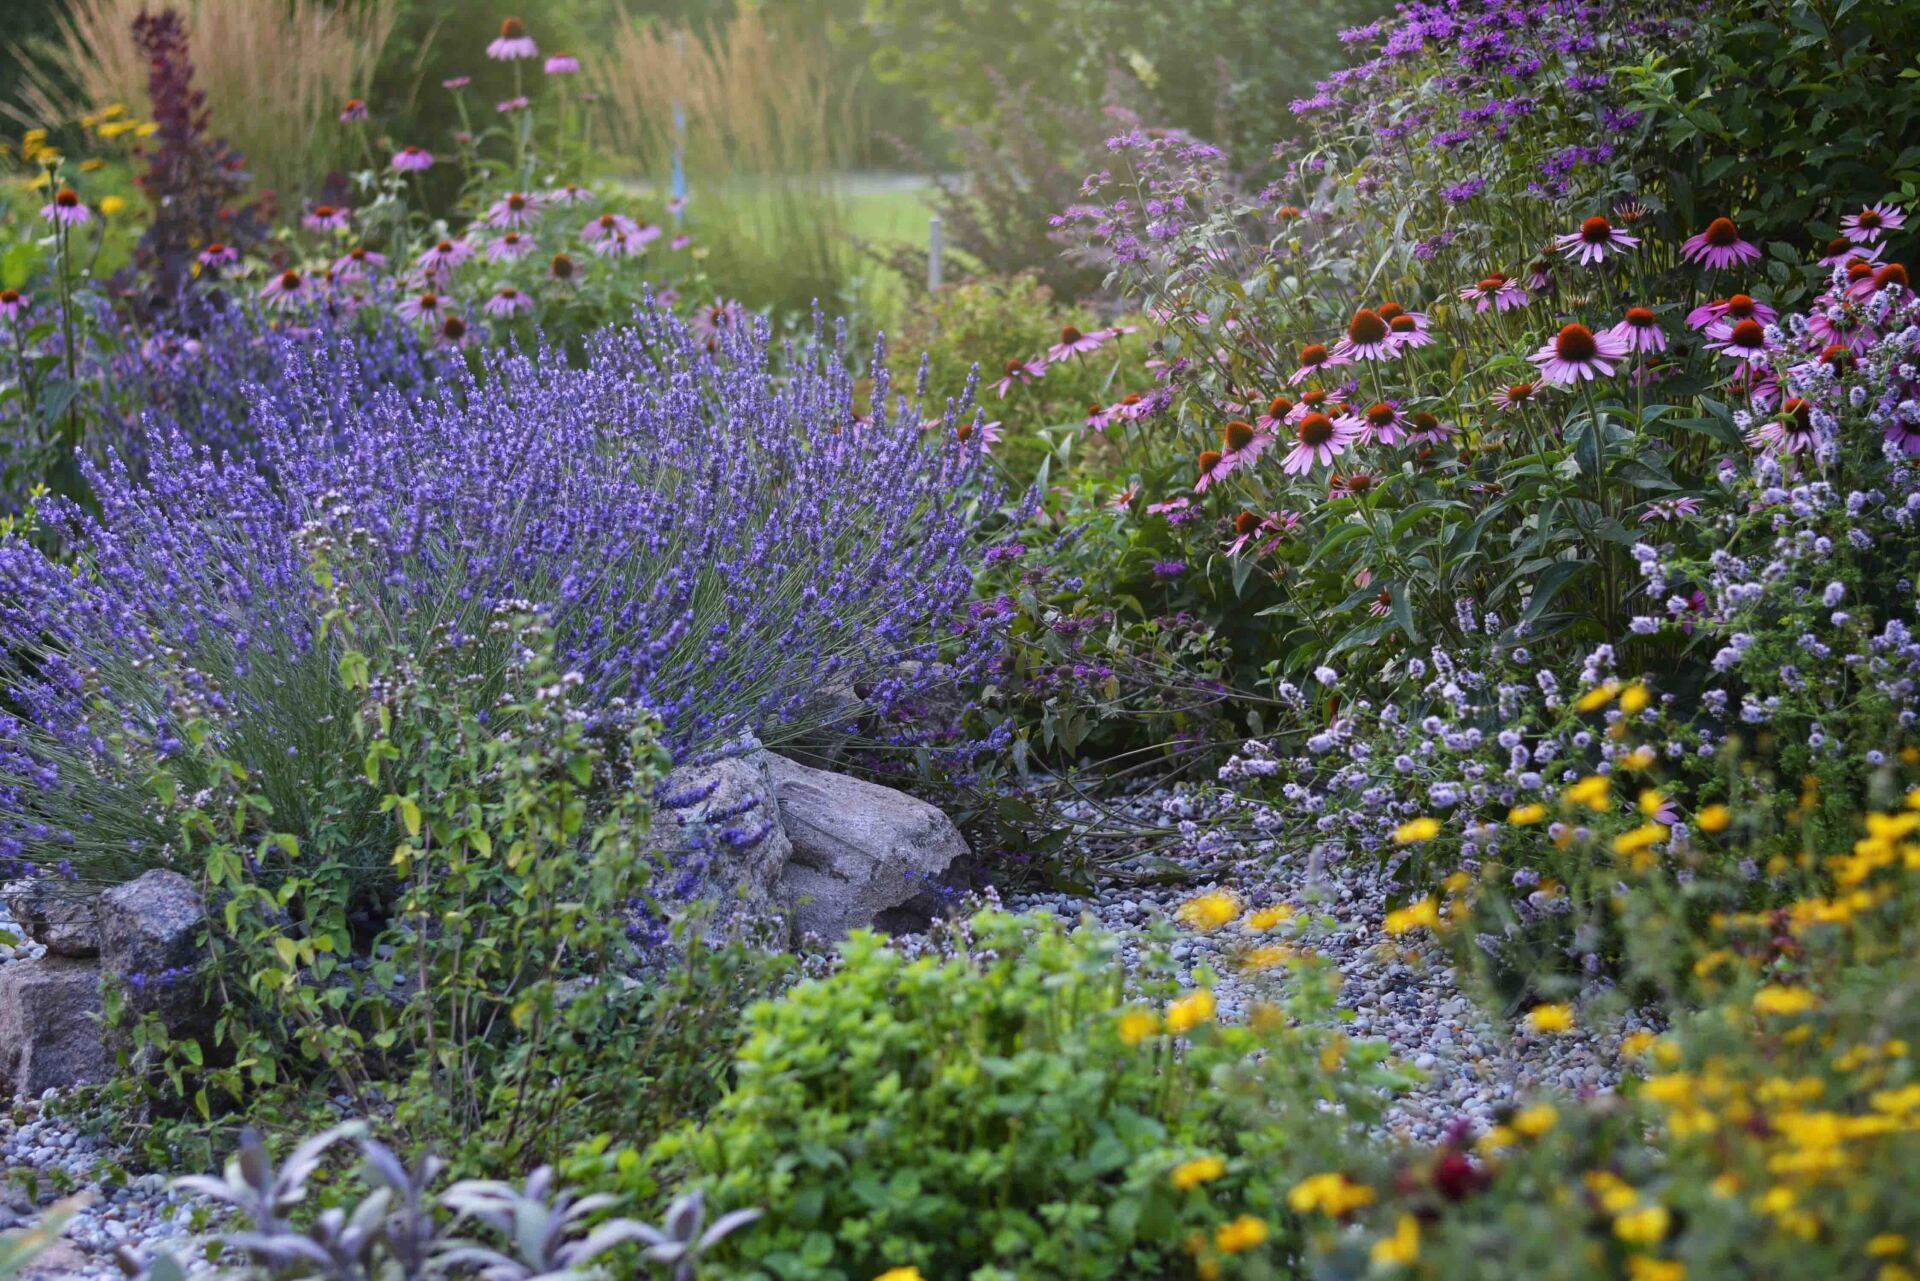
{"type": "Point", "coordinates": [715, 543]}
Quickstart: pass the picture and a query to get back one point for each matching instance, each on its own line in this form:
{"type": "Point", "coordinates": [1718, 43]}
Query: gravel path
{"type": "Point", "coordinates": [1407, 995]}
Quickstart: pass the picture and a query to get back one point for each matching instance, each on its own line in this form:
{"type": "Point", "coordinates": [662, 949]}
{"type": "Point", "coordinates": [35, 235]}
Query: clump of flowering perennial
{"type": "Point", "coordinates": [713, 542]}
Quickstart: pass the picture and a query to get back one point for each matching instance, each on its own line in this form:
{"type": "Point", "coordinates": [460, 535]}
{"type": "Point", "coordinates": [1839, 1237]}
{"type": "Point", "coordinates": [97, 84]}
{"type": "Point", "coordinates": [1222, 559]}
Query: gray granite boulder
{"type": "Point", "coordinates": [149, 945]}
{"type": "Point", "coordinates": [723, 819]}
{"type": "Point", "coordinates": [50, 1033]}
{"type": "Point", "coordinates": [54, 916]}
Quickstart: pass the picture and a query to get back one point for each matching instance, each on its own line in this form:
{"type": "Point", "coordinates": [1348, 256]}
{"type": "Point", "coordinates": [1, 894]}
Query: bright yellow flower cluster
{"type": "Point", "coordinates": [1332, 1194]}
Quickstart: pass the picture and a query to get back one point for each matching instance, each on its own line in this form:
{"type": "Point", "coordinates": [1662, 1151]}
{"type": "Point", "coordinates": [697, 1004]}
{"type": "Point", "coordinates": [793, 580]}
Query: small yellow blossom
{"type": "Point", "coordinates": [1640, 838]}
{"type": "Point", "coordinates": [1243, 1234]}
{"type": "Point", "coordinates": [1650, 801]}
{"type": "Point", "coordinates": [1777, 999]}
{"type": "Point", "coordinates": [93, 164]}
{"type": "Point", "coordinates": [1526, 815]}
{"type": "Point", "coordinates": [1190, 1011]}
{"type": "Point", "coordinates": [1640, 757]}
{"type": "Point", "coordinates": [1137, 1025]}
{"type": "Point", "coordinates": [146, 130]}
{"type": "Point", "coordinates": [1714, 818]}
{"type": "Point", "coordinates": [113, 109]}
{"type": "Point", "coordinates": [1202, 1169]}
{"type": "Point", "coordinates": [1550, 1018]}
{"type": "Point", "coordinates": [1208, 912]}
{"type": "Point", "coordinates": [1400, 1249]}
{"type": "Point", "coordinates": [1595, 699]}
{"type": "Point", "coordinates": [1645, 1226]}
{"type": "Point", "coordinates": [1644, 1267]}
{"type": "Point", "coordinates": [1496, 1137]}
{"type": "Point", "coordinates": [1421, 915]}
{"type": "Point", "coordinates": [1635, 698]}
{"type": "Point", "coordinates": [111, 205]}
{"type": "Point", "coordinates": [1265, 958]}
{"type": "Point", "coordinates": [1634, 1044]}
{"type": "Point", "coordinates": [1415, 830]}
{"type": "Point", "coordinates": [1886, 1245]}
{"type": "Point", "coordinates": [1536, 1120]}
{"type": "Point", "coordinates": [1268, 917]}
{"type": "Point", "coordinates": [900, 1274]}
{"type": "Point", "coordinates": [1332, 1194]}
{"type": "Point", "coordinates": [1595, 791]}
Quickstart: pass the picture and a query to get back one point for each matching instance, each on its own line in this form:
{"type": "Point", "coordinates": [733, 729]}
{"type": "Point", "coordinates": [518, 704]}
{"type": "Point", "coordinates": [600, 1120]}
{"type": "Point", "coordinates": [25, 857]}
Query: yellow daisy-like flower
{"type": "Point", "coordinates": [111, 205]}
{"type": "Point", "coordinates": [1527, 815]}
{"type": "Point", "coordinates": [1714, 818]}
{"type": "Point", "coordinates": [1640, 838]}
{"type": "Point", "coordinates": [1332, 1194]}
{"type": "Point", "coordinates": [1595, 699]}
{"type": "Point", "coordinates": [1634, 1044]}
{"type": "Point", "coordinates": [1635, 698]}
{"type": "Point", "coordinates": [1268, 917]}
{"type": "Point", "coordinates": [1553, 1018]}
{"type": "Point", "coordinates": [1190, 1011]}
{"type": "Point", "coordinates": [1208, 912]}
{"type": "Point", "coordinates": [1400, 1249]}
{"type": "Point", "coordinates": [1644, 1267]}
{"type": "Point", "coordinates": [1137, 1025]}
{"type": "Point", "coordinates": [1886, 1245]}
{"type": "Point", "coordinates": [1777, 999]}
{"type": "Point", "coordinates": [1595, 791]}
{"type": "Point", "coordinates": [1415, 830]}
{"type": "Point", "coordinates": [1645, 1226]}
{"type": "Point", "coordinates": [900, 1274]}
{"type": "Point", "coordinates": [1202, 1169]}
{"type": "Point", "coordinates": [1266, 958]}
{"type": "Point", "coordinates": [1536, 1120]}
{"type": "Point", "coordinates": [1241, 1235]}
{"type": "Point", "coordinates": [1421, 915]}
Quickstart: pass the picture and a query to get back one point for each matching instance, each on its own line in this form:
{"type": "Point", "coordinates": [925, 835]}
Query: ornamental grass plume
{"type": "Point", "coordinates": [712, 541]}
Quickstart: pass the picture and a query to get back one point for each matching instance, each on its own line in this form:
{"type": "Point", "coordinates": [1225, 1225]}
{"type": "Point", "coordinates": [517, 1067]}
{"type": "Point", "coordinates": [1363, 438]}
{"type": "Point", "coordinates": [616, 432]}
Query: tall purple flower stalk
{"type": "Point", "coordinates": [714, 540]}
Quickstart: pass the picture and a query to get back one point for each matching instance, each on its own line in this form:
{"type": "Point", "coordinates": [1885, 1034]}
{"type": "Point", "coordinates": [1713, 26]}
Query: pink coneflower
{"type": "Point", "coordinates": [1640, 330]}
{"type": "Point", "coordinates": [1354, 484]}
{"type": "Point", "coordinates": [1499, 291]}
{"type": "Point", "coordinates": [514, 211]}
{"type": "Point", "coordinates": [1073, 342]}
{"type": "Point", "coordinates": [1745, 342]}
{"type": "Point", "coordinates": [1594, 241]}
{"type": "Point", "coordinates": [1132, 407]}
{"type": "Point", "coordinates": [1719, 246]}
{"type": "Point", "coordinates": [1841, 251]}
{"type": "Point", "coordinates": [509, 105]}
{"type": "Point", "coordinates": [1865, 227]}
{"type": "Point", "coordinates": [284, 290]}
{"type": "Point", "coordinates": [1369, 337]}
{"type": "Point", "coordinates": [1318, 440]}
{"type": "Point", "coordinates": [66, 209]}
{"type": "Point", "coordinates": [412, 159]}
{"type": "Point", "coordinates": [606, 225]}
{"type": "Point", "coordinates": [1021, 372]}
{"type": "Point", "coordinates": [444, 256]}
{"type": "Point", "coordinates": [1213, 468]}
{"type": "Point", "coordinates": [512, 42]}
{"type": "Point", "coordinates": [1116, 331]}
{"type": "Point", "coordinates": [989, 433]}
{"type": "Point", "coordinates": [1170, 506]}
{"type": "Point", "coordinates": [13, 304]}
{"type": "Point", "coordinates": [1096, 417]}
{"type": "Point", "coordinates": [563, 64]}
{"type": "Point", "coordinates": [1577, 353]}
{"type": "Point", "coordinates": [1311, 402]}
{"type": "Point", "coordinates": [1790, 433]}
{"type": "Point", "coordinates": [1891, 275]}
{"type": "Point", "coordinates": [1275, 419]}
{"type": "Point", "coordinates": [667, 297]}
{"type": "Point", "coordinates": [676, 203]}
{"type": "Point", "coordinates": [355, 110]}
{"type": "Point", "coordinates": [1380, 422]}
{"type": "Point", "coordinates": [1313, 357]}
{"type": "Point", "coordinates": [454, 333]}
{"type": "Point", "coordinates": [1514, 396]}
{"type": "Point", "coordinates": [456, 82]}
{"type": "Point", "coordinates": [1425, 428]}
{"type": "Point", "coordinates": [326, 218]}
{"type": "Point", "coordinates": [1123, 500]}
{"type": "Point", "coordinates": [1903, 434]}
{"type": "Point", "coordinates": [680, 242]}
{"type": "Point", "coordinates": [618, 243]}
{"type": "Point", "coordinates": [1407, 333]}
{"type": "Point", "coordinates": [507, 301]}
{"type": "Point", "coordinates": [1391, 311]}
{"type": "Point", "coordinates": [721, 316]}
{"type": "Point", "coordinates": [426, 305]}
{"type": "Point", "coordinates": [1272, 527]}
{"type": "Point", "coordinates": [509, 248]}
{"type": "Point", "coordinates": [1670, 509]}
{"type": "Point", "coordinates": [1241, 442]}
{"type": "Point", "coordinates": [1842, 327]}
{"type": "Point", "coordinates": [570, 194]}
{"type": "Point", "coordinates": [1724, 314]}
{"type": "Point", "coordinates": [645, 233]}
{"type": "Point", "coordinates": [357, 263]}
{"type": "Point", "coordinates": [217, 255]}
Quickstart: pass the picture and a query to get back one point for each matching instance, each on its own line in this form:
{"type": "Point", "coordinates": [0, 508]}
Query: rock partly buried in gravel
{"type": "Point", "coordinates": [862, 853]}
{"type": "Point", "coordinates": [54, 916]}
{"type": "Point", "coordinates": [724, 816]}
{"type": "Point", "coordinates": [50, 1026]}
{"type": "Point", "coordinates": [149, 931]}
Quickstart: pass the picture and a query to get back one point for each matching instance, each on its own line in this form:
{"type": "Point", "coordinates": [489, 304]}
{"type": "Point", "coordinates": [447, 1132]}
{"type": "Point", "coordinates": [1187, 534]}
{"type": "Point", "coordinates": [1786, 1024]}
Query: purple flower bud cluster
{"type": "Point", "coordinates": [715, 540]}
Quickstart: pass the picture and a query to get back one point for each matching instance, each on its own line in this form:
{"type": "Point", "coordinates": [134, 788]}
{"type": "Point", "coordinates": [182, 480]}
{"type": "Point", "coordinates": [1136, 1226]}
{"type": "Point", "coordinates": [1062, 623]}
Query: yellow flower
{"type": "Point", "coordinates": [1650, 801]}
{"type": "Point", "coordinates": [1536, 1120]}
{"type": "Point", "coordinates": [1640, 757]}
{"type": "Point", "coordinates": [1415, 830]}
{"type": "Point", "coordinates": [1208, 912]}
{"type": "Point", "coordinates": [900, 1274]}
{"type": "Point", "coordinates": [1137, 1025]}
{"type": "Point", "coordinates": [1202, 1169]}
{"type": "Point", "coordinates": [1400, 1249]}
{"type": "Point", "coordinates": [1645, 1226]}
{"type": "Point", "coordinates": [1423, 915]}
{"type": "Point", "coordinates": [115, 128]}
{"type": "Point", "coordinates": [1495, 1138]}
{"type": "Point", "coordinates": [1331, 1194]}
{"type": "Point", "coordinates": [1190, 1012]}
{"type": "Point", "coordinates": [146, 130]}
{"type": "Point", "coordinates": [1525, 815]}
{"type": "Point", "coordinates": [1268, 917]}
{"type": "Point", "coordinates": [1640, 838]}
{"type": "Point", "coordinates": [1265, 958]}
{"type": "Point", "coordinates": [92, 164]}
{"type": "Point", "coordinates": [1777, 999]}
{"type": "Point", "coordinates": [1887, 1243]}
{"type": "Point", "coordinates": [1244, 1233]}
{"type": "Point", "coordinates": [1643, 1267]}
{"type": "Point", "coordinates": [1595, 699]}
{"type": "Point", "coordinates": [111, 205]}
{"type": "Point", "coordinates": [1550, 1018]}
{"type": "Point", "coordinates": [1635, 698]}
{"type": "Point", "coordinates": [1634, 1044]}
{"type": "Point", "coordinates": [1595, 791]}
{"type": "Point", "coordinates": [1714, 818]}
{"type": "Point", "coordinates": [113, 109]}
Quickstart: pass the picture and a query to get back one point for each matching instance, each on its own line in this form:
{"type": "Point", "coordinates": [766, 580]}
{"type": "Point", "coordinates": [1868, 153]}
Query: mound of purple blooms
{"type": "Point", "coordinates": [731, 546]}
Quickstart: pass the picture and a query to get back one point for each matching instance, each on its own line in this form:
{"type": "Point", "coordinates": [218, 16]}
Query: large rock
{"type": "Point", "coordinates": [54, 916]}
{"type": "Point", "coordinates": [861, 852]}
{"type": "Point", "coordinates": [50, 1026]}
{"type": "Point", "coordinates": [149, 945]}
{"type": "Point", "coordinates": [720, 822]}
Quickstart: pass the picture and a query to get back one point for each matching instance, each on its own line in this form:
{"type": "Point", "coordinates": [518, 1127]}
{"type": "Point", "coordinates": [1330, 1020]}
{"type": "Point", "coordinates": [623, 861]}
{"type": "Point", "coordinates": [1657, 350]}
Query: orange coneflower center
{"type": "Point", "coordinates": [1208, 460]}
{"type": "Point", "coordinates": [1838, 247]}
{"type": "Point", "coordinates": [1835, 354]}
{"type": "Point", "coordinates": [8, 297]}
{"type": "Point", "coordinates": [1314, 399]}
{"type": "Point", "coordinates": [1797, 412]}
{"type": "Point", "coordinates": [1236, 435]}
{"type": "Point", "coordinates": [1315, 429]}
{"type": "Point", "coordinates": [1358, 483]}
{"type": "Point", "coordinates": [1279, 407]}
{"type": "Point", "coordinates": [1640, 317]}
{"type": "Point", "coordinates": [1494, 283]}
{"type": "Point", "coordinates": [1740, 306]}
{"type": "Point", "coordinates": [444, 247]}
{"type": "Point", "coordinates": [1858, 269]}
{"type": "Point", "coordinates": [1380, 414]}
{"type": "Point", "coordinates": [216, 248]}
{"type": "Point", "coordinates": [454, 328]}
{"type": "Point", "coordinates": [962, 431]}
{"type": "Point", "coordinates": [562, 266]}
{"type": "Point", "coordinates": [1014, 367]}
{"type": "Point", "coordinates": [1287, 211]}
{"type": "Point", "coordinates": [1404, 325]}
{"type": "Point", "coordinates": [428, 302]}
{"type": "Point", "coordinates": [1314, 353]}
{"type": "Point", "coordinates": [1868, 219]}
{"type": "Point", "coordinates": [1749, 334]}
{"type": "Point", "coordinates": [1068, 334]}
{"type": "Point", "coordinates": [66, 198]}
{"type": "Point", "coordinates": [1721, 233]}
{"type": "Point", "coordinates": [1423, 421]}
{"type": "Point", "coordinates": [1892, 274]}
{"type": "Point", "coordinates": [1575, 343]}
{"type": "Point", "coordinates": [509, 292]}
{"type": "Point", "coordinates": [1596, 230]}
{"type": "Point", "coordinates": [516, 202]}
{"type": "Point", "coordinates": [1391, 311]}
{"type": "Point", "coordinates": [1519, 392]}
{"type": "Point", "coordinates": [1366, 327]}
{"type": "Point", "coordinates": [1245, 523]}
{"type": "Point", "coordinates": [512, 29]}
{"type": "Point", "coordinates": [1132, 398]}
{"type": "Point", "coordinates": [324, 211]}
